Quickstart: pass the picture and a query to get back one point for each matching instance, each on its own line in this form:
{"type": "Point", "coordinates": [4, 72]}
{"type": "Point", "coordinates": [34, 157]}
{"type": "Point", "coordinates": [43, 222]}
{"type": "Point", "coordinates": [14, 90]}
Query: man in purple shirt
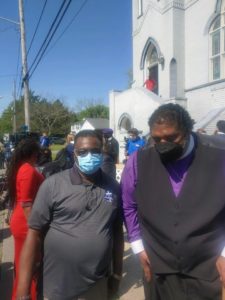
{"type": "Point", "coordinates": [174, 209]}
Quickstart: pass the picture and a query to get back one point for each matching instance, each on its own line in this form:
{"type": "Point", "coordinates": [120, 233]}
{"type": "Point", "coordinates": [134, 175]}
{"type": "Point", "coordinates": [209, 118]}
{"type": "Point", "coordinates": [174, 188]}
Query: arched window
{"type": "Point", "coordinates": [217, 49]}
{"type": "Point", "coordinates": [152, 56]}
{"type": "Point", "coordinates": [125, 122]}
{"type": "Point", "coordinates": [152, 65]}
{"type": "Point", "coordinates": [173, 78]}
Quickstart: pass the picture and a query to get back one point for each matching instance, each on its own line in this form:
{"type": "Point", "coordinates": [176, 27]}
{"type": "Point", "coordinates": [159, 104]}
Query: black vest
{"type": "Point", "coordinates": [183, 234]}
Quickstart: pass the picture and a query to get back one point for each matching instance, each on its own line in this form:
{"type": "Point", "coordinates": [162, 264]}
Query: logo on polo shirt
{"type": "Point", "coordinates": [108, 196]}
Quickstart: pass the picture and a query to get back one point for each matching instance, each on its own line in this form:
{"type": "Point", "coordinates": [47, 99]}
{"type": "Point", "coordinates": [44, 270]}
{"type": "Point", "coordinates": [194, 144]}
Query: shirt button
{"type": "Point", "coordinates": [177, 206]}
{"type": "Point", "coordinates": [175, 224]}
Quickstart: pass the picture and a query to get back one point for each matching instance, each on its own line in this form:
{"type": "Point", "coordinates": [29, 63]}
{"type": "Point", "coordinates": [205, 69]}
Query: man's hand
{"type": "Point", "coordinates": [145, 263]}
{"type": "Point", "coordinates": [220, 264]}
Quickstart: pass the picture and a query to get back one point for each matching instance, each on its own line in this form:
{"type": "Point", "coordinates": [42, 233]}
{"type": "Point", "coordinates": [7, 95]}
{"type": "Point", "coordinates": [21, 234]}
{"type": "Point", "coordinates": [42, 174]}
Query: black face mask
{"type": "Point", "coordinates": [169, 151]}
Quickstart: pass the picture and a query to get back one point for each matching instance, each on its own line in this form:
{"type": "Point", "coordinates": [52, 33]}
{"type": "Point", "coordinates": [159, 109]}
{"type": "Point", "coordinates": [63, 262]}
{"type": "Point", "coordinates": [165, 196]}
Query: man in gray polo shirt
{"type": "Point", "coordinates": [77, 216]}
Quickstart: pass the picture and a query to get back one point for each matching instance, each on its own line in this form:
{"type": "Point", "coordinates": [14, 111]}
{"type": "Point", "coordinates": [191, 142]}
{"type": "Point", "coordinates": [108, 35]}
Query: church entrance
{"type": "Point", "coordinates": [153, 73]}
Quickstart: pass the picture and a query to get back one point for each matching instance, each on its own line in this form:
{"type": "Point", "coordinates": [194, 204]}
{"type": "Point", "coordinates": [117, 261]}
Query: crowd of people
{"type": "Point", "coordinates": [68, 214]}
{"type": "Point", "coordinates": [6, 150]}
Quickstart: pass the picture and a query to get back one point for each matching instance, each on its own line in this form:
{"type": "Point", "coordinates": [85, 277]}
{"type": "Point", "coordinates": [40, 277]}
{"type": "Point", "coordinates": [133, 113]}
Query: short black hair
{"type": "Point", "coordinates": [221, 125]}
{"type": "Point", "coordinates": [172, 114]}
{"type": "Point", "coordinates": [133, 131]}
{"type": "Point", "coordinates": [88, 133]}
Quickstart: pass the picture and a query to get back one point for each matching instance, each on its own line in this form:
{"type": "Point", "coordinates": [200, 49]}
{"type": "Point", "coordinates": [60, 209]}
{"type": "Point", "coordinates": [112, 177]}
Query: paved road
{"type": "Point", "coordinates": [6, 259]}
{"type": "Point", "coordinates": [131, 285]}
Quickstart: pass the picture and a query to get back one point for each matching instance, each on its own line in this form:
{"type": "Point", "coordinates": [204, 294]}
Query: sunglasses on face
{"type": "Point", "coordinates": [84, 152]}
{"type": "Point", "coordinates": [170, 138]}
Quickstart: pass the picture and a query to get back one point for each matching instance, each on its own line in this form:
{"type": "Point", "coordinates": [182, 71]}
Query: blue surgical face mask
{"type": "Point", "coordinates": [90, 163]}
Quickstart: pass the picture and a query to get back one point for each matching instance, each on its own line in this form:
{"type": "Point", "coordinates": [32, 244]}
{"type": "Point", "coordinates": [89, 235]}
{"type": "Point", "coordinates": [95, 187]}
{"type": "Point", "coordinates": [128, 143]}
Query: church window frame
{"type": "Point", "coordinates": [152, 66]}
{"type": "Point", "coordinates": [217, 46]}
{"type": "Point", "coordinates": [125, 122]}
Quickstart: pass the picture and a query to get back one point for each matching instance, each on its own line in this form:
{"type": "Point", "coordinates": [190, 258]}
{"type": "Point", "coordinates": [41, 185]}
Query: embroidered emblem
{"type": "Point", "coordinates": [108, 196]}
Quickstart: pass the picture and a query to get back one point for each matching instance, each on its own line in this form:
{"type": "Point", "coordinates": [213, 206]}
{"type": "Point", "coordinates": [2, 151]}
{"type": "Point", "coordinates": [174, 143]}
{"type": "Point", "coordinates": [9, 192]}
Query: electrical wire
{"type": "Point", "coordinates": [37, 26]}
{"type": "Point", "coordinates": [69, 24]}
{"type": "Point", "coordinates": [47, 36]}
{"type": "Point", "coordinates": [50, 39]}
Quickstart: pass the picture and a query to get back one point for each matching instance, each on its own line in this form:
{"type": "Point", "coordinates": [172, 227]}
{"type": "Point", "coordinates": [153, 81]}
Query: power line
{"type": "Point", "coordinates": [69, 24]}
{"type": "Point", "coordinates": [47, 36]}
{"type": "Point", "coordinates": [50, 39]}
{"type": "Point", "coordinates": [36, 29]}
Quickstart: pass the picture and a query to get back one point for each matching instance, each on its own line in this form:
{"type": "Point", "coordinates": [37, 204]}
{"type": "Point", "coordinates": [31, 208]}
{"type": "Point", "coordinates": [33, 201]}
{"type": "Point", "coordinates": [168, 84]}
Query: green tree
{"type": "Point", "coordinates": [96, 111]}
{"type": "Point", "coordinates": [50, 116]}
{"type": "Point", "coordinates": [45, 115]}
{"type": "Point", "coordinates": [6, 120]}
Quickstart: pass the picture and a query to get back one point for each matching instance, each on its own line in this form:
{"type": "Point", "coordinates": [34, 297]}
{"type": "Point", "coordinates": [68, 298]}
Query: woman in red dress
{"type": "Point", "coordinates": [23, 181]}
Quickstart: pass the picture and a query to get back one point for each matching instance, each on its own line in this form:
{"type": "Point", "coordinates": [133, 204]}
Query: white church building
{"type": "Point", "coordinates": [181, 43]}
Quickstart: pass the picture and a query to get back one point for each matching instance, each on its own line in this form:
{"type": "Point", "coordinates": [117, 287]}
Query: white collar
{"type": "Point", "coordinates": [189, 148]}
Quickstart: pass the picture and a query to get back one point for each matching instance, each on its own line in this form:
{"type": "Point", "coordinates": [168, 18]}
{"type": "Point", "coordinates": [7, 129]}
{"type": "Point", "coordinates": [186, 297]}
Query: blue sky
{"type": "Point", "coordinates": [92, 58]}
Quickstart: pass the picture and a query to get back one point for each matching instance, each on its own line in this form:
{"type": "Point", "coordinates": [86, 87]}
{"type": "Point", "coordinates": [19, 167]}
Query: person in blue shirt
{"type": "Point", "coordinates": [134, 142]}
{"type": "Point", "coordinates": [44, 141]}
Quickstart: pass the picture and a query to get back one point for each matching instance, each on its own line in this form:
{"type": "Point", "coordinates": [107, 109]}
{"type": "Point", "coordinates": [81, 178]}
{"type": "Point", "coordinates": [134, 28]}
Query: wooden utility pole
{"type": "Point", "coordinates": [24, 66]}
{"type": "Point", "coordinates": [14, 106]}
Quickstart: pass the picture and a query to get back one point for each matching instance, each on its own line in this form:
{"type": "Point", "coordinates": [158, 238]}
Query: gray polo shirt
{"type": "Point", "coordinates": [79, 220]}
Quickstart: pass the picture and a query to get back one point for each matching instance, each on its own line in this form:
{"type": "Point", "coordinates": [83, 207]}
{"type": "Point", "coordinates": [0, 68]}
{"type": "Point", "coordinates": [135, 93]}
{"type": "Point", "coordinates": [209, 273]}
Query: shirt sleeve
{"type": "Point", "coordinates": [28, 181]}
{"type": "Point", "coordinates": [128, 184]}
{"type": "Point", "coordinates": [42, 209]}
{"type": "Point", "coordinates": [223, 252]}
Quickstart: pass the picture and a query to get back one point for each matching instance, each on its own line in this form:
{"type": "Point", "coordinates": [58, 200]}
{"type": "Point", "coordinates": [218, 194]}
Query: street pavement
{"type": "Point", "coordinates": [6, 259]}
{"type": "Point", "coordinates": [131, 284]}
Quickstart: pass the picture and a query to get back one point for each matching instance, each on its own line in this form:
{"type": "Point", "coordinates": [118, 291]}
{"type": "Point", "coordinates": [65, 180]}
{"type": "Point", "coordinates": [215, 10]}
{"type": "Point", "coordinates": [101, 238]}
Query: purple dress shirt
{"type": "Point", "coordinates": [177, 172]}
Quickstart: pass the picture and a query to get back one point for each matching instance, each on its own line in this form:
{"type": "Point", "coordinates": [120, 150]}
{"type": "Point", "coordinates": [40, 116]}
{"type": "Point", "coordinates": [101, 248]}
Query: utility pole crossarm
{"type": "Point", "coordinates": [9, 20]}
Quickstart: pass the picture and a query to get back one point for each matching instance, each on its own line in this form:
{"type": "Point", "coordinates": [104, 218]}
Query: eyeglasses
{"type": "Point", "coordinates": [84, 152]}
{"type": "Point", "coordinates": [169, 138]}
